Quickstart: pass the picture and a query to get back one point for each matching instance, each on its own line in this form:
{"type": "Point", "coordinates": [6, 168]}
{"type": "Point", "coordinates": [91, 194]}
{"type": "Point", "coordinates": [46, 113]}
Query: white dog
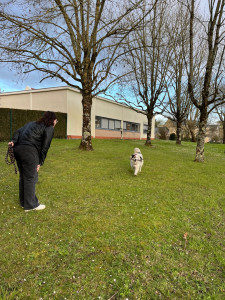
{"type": "Point", "coordinates": [136, 161]}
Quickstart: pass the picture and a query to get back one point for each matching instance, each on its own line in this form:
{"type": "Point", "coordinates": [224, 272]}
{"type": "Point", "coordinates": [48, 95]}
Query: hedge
{"type": "Point", "coordinates": [12, 119]}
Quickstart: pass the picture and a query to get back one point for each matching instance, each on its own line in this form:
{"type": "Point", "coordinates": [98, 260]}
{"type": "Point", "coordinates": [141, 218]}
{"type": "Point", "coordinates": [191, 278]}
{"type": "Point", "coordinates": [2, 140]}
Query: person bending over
{"type": "Point", "coordinates": [30, 147]}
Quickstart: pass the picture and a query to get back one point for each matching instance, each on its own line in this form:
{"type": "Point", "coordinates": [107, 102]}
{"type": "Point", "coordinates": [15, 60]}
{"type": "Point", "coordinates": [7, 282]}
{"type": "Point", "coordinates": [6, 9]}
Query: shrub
{"type": "Point", "coordinates": [172, 136]}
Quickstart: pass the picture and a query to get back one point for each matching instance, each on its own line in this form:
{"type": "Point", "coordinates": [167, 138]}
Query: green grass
{"type": "Point", "coordinates": [106, 234]}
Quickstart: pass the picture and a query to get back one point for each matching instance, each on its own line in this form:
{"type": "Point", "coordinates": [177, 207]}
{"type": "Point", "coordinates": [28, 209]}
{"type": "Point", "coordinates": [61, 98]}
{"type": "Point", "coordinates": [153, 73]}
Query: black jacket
{"type": "Point", "coordinates": [37, 135]}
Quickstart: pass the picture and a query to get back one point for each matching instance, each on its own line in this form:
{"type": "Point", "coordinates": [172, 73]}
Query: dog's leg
{"type": "Point", "coordinates": [135, 171]}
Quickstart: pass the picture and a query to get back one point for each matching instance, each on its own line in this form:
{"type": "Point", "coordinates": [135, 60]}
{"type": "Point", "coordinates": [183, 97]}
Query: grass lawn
{"type": "Point", "coordinates": [106, 234]}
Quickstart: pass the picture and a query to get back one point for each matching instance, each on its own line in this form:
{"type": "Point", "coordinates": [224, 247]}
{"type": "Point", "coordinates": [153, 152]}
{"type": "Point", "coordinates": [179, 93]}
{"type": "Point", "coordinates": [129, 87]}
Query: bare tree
{"type": "Point", "coordinates": [146, 62]}
{"type": "Point", "coordinates": [212, 74]}
{"type": "Point", "coordinates": [76, 41]}
{"type": "Point", "coordinates": [220, 111]}
{"type": "Point", "coordinates": [192, 122]}
{"type": "Point", "coordinates": [177, 107]}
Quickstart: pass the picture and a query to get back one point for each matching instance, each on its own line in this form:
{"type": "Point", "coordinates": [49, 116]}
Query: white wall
{"type": "Point", "coordinates": [74, 113]}
{"type": "Point", "coordinates": [106, 108]}
{"type": "Point", "coordinates": [69, 100]}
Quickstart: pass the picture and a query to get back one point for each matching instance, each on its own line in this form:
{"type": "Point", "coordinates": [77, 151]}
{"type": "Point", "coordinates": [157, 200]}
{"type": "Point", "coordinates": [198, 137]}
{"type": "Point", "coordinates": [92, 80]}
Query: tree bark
{"type": "Point", "coordinates": [86, 143]}
{"type": "Point", "coordinates": [178, 138]}
{"type": "Point", "coordinates": [224, 130]}
{"type": "Point", "coordinates": [149, 131]}
{"type": "Point", "coordinates": [201, 136]}
{"type": "Point", "coordinates": [193, 138]}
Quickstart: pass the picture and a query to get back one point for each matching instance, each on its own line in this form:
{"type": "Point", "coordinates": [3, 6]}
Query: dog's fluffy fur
{"type": "Point", "coordinates": [136, 161]}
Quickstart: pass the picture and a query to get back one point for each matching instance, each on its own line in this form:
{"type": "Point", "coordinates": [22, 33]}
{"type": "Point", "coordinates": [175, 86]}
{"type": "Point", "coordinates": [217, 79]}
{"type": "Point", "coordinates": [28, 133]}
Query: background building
{"type": "Point", "coordinates": [109, 119]}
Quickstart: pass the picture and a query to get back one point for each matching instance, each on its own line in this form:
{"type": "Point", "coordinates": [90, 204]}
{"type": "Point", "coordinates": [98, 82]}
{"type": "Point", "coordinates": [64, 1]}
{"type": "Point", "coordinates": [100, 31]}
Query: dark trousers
{"type": "Point", "coordinates": [27, 160]}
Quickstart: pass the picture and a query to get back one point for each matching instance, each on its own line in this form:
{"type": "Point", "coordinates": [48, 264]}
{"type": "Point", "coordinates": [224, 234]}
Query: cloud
{"type": "Point", "coordinates": [11, 81]}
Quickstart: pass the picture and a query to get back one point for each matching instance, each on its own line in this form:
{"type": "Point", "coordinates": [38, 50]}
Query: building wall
{"type": "Point", "coordinates": [132, 135]}
{"type": "Point", "coordinates": [108, 109]}
{"type": "Point", "coordinates": [14, 100]}
{"type": "Point", "coordinates": [45, 99]}
{"type": "Point", "coordinates": [116, 134]}
{"type": "Point", "coordinates": [74, 114]}
{"type": "Point", "coordinates": [54, 100]}
{"type": "Point", "coordinates": [68, 100]}
{"type": "Point", "coordinates": [104, 134]}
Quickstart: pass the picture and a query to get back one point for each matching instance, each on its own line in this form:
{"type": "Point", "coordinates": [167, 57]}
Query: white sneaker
{"type": "Point", "coordinates": [40, 207]}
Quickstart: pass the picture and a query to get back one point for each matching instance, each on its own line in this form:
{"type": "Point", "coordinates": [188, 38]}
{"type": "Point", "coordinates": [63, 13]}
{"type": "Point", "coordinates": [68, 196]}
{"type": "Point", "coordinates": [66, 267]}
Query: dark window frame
{"type": "Point", "coordinates": [145, 130]}
{"type": "Point", "coordinates": [131, 125]}
{"type": "Point", "coordinates": [99, 118]}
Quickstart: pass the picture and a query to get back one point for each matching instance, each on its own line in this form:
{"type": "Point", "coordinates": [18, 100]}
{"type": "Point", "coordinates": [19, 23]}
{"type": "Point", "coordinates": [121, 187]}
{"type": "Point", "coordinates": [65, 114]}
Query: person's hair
{"type": "Point", "coordinates": [47, 119]}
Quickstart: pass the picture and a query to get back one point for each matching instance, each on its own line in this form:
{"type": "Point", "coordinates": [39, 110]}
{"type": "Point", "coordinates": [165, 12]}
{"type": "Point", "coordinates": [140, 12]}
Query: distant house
{"type": "Point", "coordinates": [171, 126]}
{"type": "Point", "coordinates": [110, 120]}
{"type": "Point", "coordinates": [213, 132]}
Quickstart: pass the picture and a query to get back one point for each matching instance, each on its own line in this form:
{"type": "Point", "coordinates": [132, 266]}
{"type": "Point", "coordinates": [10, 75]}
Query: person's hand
{"type": "Point", "coordinates": [38, 168]}
{"type": "Point", "coordinates": [11, 144]}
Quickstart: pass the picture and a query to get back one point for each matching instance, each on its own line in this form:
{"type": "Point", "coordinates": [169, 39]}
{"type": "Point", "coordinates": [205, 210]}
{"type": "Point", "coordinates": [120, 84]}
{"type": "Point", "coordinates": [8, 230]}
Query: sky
{"type": "Point", "coordinates": [11, 81]}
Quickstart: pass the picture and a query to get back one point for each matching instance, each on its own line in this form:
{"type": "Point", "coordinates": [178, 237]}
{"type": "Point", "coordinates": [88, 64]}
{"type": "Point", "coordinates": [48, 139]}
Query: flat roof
{"type": "Point", "coordinates": [28, 91]}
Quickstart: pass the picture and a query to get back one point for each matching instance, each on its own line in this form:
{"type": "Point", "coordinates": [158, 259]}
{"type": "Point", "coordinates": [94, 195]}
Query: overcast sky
{"type": "Point", "coordinates": [11, 81]}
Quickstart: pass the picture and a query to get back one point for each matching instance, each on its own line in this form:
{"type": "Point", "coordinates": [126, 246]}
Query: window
{"type": "Point", "coordinates": [104, 123]}
{"type": "Point", "coordinates": [97, 122]}
{"type": "Point", "coordinates": [129, 126]}
{"type": "Point", "coordinates": [111, 124]}
{"type": "Point", "coordinates": [145, 128]}
{"type": "Point", "coordinates": [117, 125]}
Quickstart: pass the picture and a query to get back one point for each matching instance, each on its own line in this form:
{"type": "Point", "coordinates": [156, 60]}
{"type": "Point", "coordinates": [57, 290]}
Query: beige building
{"type": "Point", "coordinates": [109, 119]}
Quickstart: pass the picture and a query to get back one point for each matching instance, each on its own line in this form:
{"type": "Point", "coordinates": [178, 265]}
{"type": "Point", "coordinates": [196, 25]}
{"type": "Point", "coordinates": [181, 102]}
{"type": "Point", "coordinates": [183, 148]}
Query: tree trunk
{"type": "Point", "coordinates": [201, 136]}
{"type": "Point", "coordinates": [192, 132]}
{"type": "Point", "coordinates": [178, 138]}
{"type": "Point", "coordinates": [86, 143]}
{"type": "Point", "coordinates": [224, 130]}
{"type": "Point", "coordinates": [149, 131]}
